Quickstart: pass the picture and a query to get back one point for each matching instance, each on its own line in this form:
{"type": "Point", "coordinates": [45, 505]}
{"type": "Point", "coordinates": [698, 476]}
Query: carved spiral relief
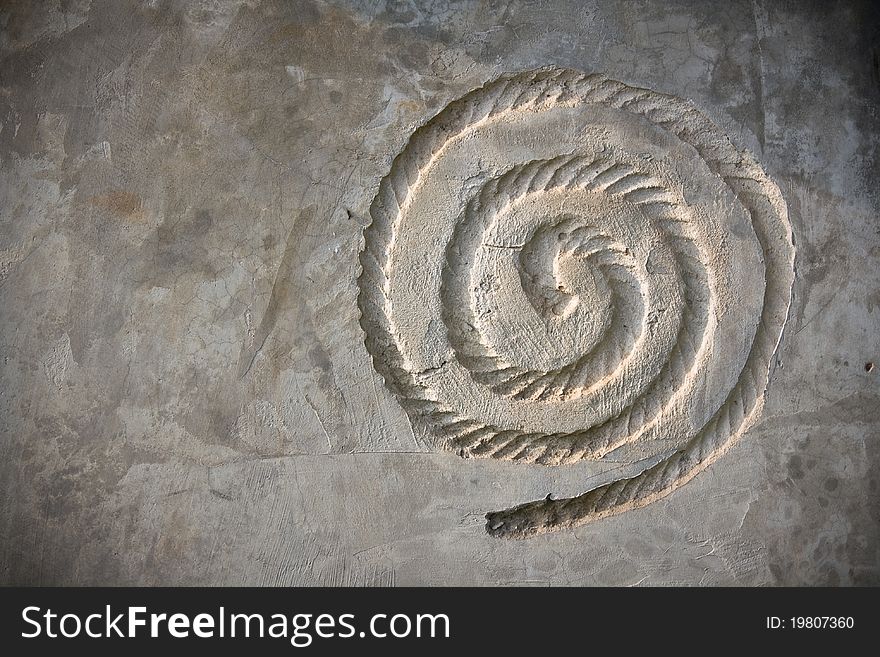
{"type": "Point", "coordinates": [560, 266]}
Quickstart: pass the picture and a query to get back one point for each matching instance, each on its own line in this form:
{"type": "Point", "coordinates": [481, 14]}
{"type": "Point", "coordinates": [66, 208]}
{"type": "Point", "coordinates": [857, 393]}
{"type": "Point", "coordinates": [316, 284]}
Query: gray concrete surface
{"type": "Point", "coordinates": [185, 392]}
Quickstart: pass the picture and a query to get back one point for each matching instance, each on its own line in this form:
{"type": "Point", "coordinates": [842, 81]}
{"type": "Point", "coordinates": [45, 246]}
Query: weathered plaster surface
{"type": "Point", "coordinates": [185, 394]}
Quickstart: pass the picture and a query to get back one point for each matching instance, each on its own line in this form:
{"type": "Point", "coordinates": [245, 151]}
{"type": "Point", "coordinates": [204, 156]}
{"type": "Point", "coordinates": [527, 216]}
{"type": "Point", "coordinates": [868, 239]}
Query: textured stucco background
{"type": "Point", "coordinates": [185, 395]}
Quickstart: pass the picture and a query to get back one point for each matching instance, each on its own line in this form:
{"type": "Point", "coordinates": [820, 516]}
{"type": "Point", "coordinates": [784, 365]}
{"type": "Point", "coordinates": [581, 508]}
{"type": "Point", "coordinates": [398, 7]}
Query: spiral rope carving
{"type": "Point", "coordinates": [551, 300]}
{"type": "Point", "coordinates": [612, 178]}
{"type": "Point", "coordinates": [653, 299]}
